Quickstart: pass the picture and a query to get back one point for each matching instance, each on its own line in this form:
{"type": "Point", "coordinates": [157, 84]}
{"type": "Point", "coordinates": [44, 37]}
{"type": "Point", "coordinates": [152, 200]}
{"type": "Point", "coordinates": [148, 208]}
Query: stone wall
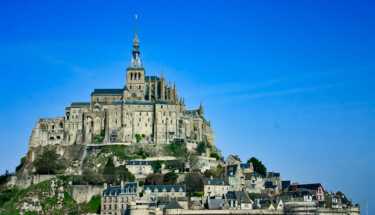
{"type": "Point", "coordinates": [84, 193]}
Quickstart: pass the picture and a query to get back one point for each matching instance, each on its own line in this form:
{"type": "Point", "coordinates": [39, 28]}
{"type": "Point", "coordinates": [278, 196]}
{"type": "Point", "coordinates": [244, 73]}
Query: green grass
{"type": "Point", "coordinates": [94, 204]}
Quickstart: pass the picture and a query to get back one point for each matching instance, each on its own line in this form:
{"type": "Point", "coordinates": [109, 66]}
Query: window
{"type": "Point", "coordinates": [139, 87]}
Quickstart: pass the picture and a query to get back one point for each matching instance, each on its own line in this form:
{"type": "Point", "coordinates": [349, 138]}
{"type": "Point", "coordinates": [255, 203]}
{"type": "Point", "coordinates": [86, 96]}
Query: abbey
{"type": "Point", "coordinates": [146, 110]}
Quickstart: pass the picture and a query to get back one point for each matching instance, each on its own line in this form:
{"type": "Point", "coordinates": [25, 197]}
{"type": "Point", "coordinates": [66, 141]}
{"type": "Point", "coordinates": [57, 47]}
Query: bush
{"type": "Point", "coordinates": [49, 162]}
{"type": "Point", "coordinates": [199, 194]}
{"type": "Point", "coordinates": [138, 138]}
{"type": "Point", "coordinates": [94, 204]}
{"type": "Point", "coordinates": [23, 160]}
{"type": "Point", "coordinates": [201, 148]}
{"type": "Point", "coordinates": [215, 155]}
{"type": "Point", "coordinates": [156, 166]}
{"type": "Point", "coordinates": [170, 178]}
{"type": "Point", "coordinates": [141, 183]}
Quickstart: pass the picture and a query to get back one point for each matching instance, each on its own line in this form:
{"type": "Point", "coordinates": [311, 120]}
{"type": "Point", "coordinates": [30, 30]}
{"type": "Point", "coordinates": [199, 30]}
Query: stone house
{"type": "Point", "coordinates": [115, 199]}
{"type": "Point", "coordinates": [140, 169]}
{"type": "Point", "coordinates": [215, 186]}
{"type": "Point", "coordinates": [253, 183]}
{"type": "Point", "coordinates": [238, 200]}
{"type": "Point", "coordinates": [232, 160]}
{"type": "Point", "coordinates": [317, 187]}
{"type": "Point", "coordinates": [272, 183]}
{"type": "Point", "coordinates": [165, 191]}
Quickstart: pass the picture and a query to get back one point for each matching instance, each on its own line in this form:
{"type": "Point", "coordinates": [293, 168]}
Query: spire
{"type": "Point", "coordinates": [175, 93]}
{"type": "Point", "coordinates": [135, 63]}
{"type": "Point", "coordinates": [162, 74]}
{"type": "Point", "coordinates": [201, 112]}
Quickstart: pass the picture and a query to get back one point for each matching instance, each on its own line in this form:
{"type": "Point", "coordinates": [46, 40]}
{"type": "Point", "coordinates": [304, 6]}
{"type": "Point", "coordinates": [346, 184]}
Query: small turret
{"type": "Point", "coordinates": [175, 93]}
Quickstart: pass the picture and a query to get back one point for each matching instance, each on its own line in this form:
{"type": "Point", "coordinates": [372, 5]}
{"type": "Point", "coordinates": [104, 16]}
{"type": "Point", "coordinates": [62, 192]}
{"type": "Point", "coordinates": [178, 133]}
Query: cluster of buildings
{"type": "Point", "coordinates": [240, 189]}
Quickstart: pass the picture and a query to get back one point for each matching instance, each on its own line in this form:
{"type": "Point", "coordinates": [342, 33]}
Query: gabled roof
{"type": "Point", "coordinates": [107, 91]}
{"type": "Point", "coordinates": [307, 186]}
{"type": "Point", "coordinates": [272, 174]}
{"type": "Point", "coordinates": [240, 196]}
{"type": "Point", "coordinates": [215, 181]}
{"type": "Point", "coordinates": [194, 112]}
{"type": "Point", "coordinates": [248, 176]}
{"type": "Point", "coordinates": [234, 157]}
{"type": "Point", "coordinates": [168, 188]}
{"type": "Point", "coordinates": [130, 188]}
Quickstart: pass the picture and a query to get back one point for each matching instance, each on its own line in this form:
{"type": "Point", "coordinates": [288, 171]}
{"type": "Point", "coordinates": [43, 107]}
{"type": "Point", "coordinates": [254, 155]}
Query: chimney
{"type": "Point", "coordinates": [105, 186]}
{"type": "Point", "coordinates": [212, 177]}
{"type": "Point", "coordinates": [122, 184]}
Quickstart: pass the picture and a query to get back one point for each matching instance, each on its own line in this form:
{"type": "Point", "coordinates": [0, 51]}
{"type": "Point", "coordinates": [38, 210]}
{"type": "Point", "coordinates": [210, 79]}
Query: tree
{"type": "Point", "coordinates": [154, 179]}
{"type": "Point", "coordinates": [109, 171]}
{"type": "Point", "coordinates": [49, 162]}
{"type": "Point", "coordinates": [156, 166]}
{"type": "Point", "coordinates": [193, 182]}
{"type": "Point", "coordinates": [201, 148]}
{"type": "Point", "coordinates": [4, 178]}
{"type": "Point", "coordinates": [192, 160]}
{"type": "Point", "coordinates": [170, 178]}
{"type": "Point", "coordinates": [258, 166]}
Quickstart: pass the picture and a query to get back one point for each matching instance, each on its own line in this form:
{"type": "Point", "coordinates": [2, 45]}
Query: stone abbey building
{"type": "Point", "coordinates": [146, 108]}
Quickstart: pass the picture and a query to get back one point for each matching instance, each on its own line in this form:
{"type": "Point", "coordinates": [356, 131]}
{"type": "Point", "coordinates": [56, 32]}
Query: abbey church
{"type": "Point", "coordinates": [146, 110]}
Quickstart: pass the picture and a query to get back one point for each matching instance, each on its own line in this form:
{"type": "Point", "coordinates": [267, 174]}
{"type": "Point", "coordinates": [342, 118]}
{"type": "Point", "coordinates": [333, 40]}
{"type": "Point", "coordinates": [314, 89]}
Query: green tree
{"type": "Point", "coordinates": [49, 162]}
{"type": "Point", "coordinates": [193, 182]}
{"type": "Point", "coordinates": [109, 172]}
{"type": "Point", "coordinates": [156, 166]}
{"type": "Point", "coordinates": [201, 148]}
{"type": "Point", "coordinates": [258, 165]}
{"type": "Point", "coordinates": [170, 178]}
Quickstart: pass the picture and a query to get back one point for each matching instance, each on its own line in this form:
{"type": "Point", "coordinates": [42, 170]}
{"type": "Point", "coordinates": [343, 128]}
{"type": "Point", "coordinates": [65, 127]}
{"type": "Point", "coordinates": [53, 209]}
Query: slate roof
{"type": "Point", "coordinates": [215, 181]}
{"type": "Point", "coordinates": [248, 176]}
{"type": "Point", "coordinates": [240, 196]}
{"type": "Point", "coordinates": [235, 157]}
{"type": "Point", "coordinates": [269, 184]}
{"type": "Point", "coordinates": [173, 205]}
{"type": "Point", "coordinates": [194, 112]}
{"type": "Point", "coordinates": [168, 188]}
{"type": "Point", "coordinates": [232, 169]}
{"type": "Point", "coordinates": [107, 91]}
{"type": "Point", "coordinates": [152, 78]}
{"type": "Point", "coordinates": [273, 174]}
{"type": "Point", "coordinates": [138, 163]}
{"type": "Point", "coordinates": [130, 188]}
{"type": "Point", "coordinates": [285, 184]}
{"type": "Point", "coordinates": [306, 186]}
{"type": "Point", "coordinates": [79, 104]}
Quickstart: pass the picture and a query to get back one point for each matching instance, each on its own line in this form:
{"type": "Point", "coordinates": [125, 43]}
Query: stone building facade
{"type": "Point", "coordinates": [147, 109]}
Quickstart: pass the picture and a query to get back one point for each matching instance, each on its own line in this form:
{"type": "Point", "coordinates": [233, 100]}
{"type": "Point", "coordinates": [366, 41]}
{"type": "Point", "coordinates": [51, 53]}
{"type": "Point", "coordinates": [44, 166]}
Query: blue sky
{"type": "Point", "coordinates": [290, 82]}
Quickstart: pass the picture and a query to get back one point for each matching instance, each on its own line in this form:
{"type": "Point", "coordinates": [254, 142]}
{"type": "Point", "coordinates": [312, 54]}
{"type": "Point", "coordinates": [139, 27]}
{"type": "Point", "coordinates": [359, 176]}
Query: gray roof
{"type": "Point", "coordinates": [215, 181]}
{"type": "Point", "coordinates": [152, 78]}
{"type": "Point", "coordinates": [138, 162]}
{"type": "Point", "coordinates": [194, 112]}
{"type": "Point", "coordinates": [107, 91]}
{"type": "Point", "coordinates": [173, 205]}
{"type": "Point", "coordinates": [130, 188]}
{"type": "Point", "coordinates": [79, 104]}
{"type": "Point", "coordinates": [168, 188]}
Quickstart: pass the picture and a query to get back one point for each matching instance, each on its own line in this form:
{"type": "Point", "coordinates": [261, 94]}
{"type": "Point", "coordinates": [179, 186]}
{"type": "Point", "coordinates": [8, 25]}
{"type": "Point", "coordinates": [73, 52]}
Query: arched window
{"type": "Point", "coordinates": [58, 137]}
{"type": "Point", "coordinates": [53, 126]}
{"type": "Point", "coordinates": [61, 125]}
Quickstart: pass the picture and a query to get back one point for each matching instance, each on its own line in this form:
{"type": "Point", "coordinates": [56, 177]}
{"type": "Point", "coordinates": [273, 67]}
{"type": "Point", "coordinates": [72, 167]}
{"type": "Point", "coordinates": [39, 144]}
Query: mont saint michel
{"type": "Point", "coordinates": [171, 116]}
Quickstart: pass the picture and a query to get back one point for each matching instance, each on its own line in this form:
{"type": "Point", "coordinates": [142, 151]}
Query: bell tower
{"type": "Point", "coordinates": [135, 73]}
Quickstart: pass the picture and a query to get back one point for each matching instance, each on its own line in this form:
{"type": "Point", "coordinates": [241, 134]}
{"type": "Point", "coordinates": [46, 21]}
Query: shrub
{"type": "Point", "coordinates": [23, 160]}
{"type": "Point", "coordinates": [215, 155]}
{"type": "Point", "coordinates": [138, 138]}
{"type": "Point", "coordinates": [170, 178]}
{"type": "Point", "coordinates": [199, 194]}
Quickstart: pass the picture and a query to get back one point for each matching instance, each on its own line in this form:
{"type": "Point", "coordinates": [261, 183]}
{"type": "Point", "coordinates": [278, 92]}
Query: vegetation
{"type": "Point", "coordinates": [215, 155]}
{"type": "Point", "coordinates": [49, 162]}
{"type": "Point", "coordinates": [170, 178]}
{"type": "Point", "coordinates": [23, 160]}
{"type": "Point", "coordinates": [214, 173]}
{"type": "Point", "coordinates": [193, 182]}
{"type": "Point", "coordinates": [201, 148]}
{"type": "Point", "coordinates": [154, 179]}
{"type": "Point", "coordinates": [93, 206]}
{"type": "Point", "coordinates": [258, 166]}
{"type": "Point", "coordinates": [99, 137]}
{"type": "Point", "coordinates": [5, 177]}
{"type": "Point", "coordinates": [156, 166]}
{"type": "Point", "coordinates": [138, 138]}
